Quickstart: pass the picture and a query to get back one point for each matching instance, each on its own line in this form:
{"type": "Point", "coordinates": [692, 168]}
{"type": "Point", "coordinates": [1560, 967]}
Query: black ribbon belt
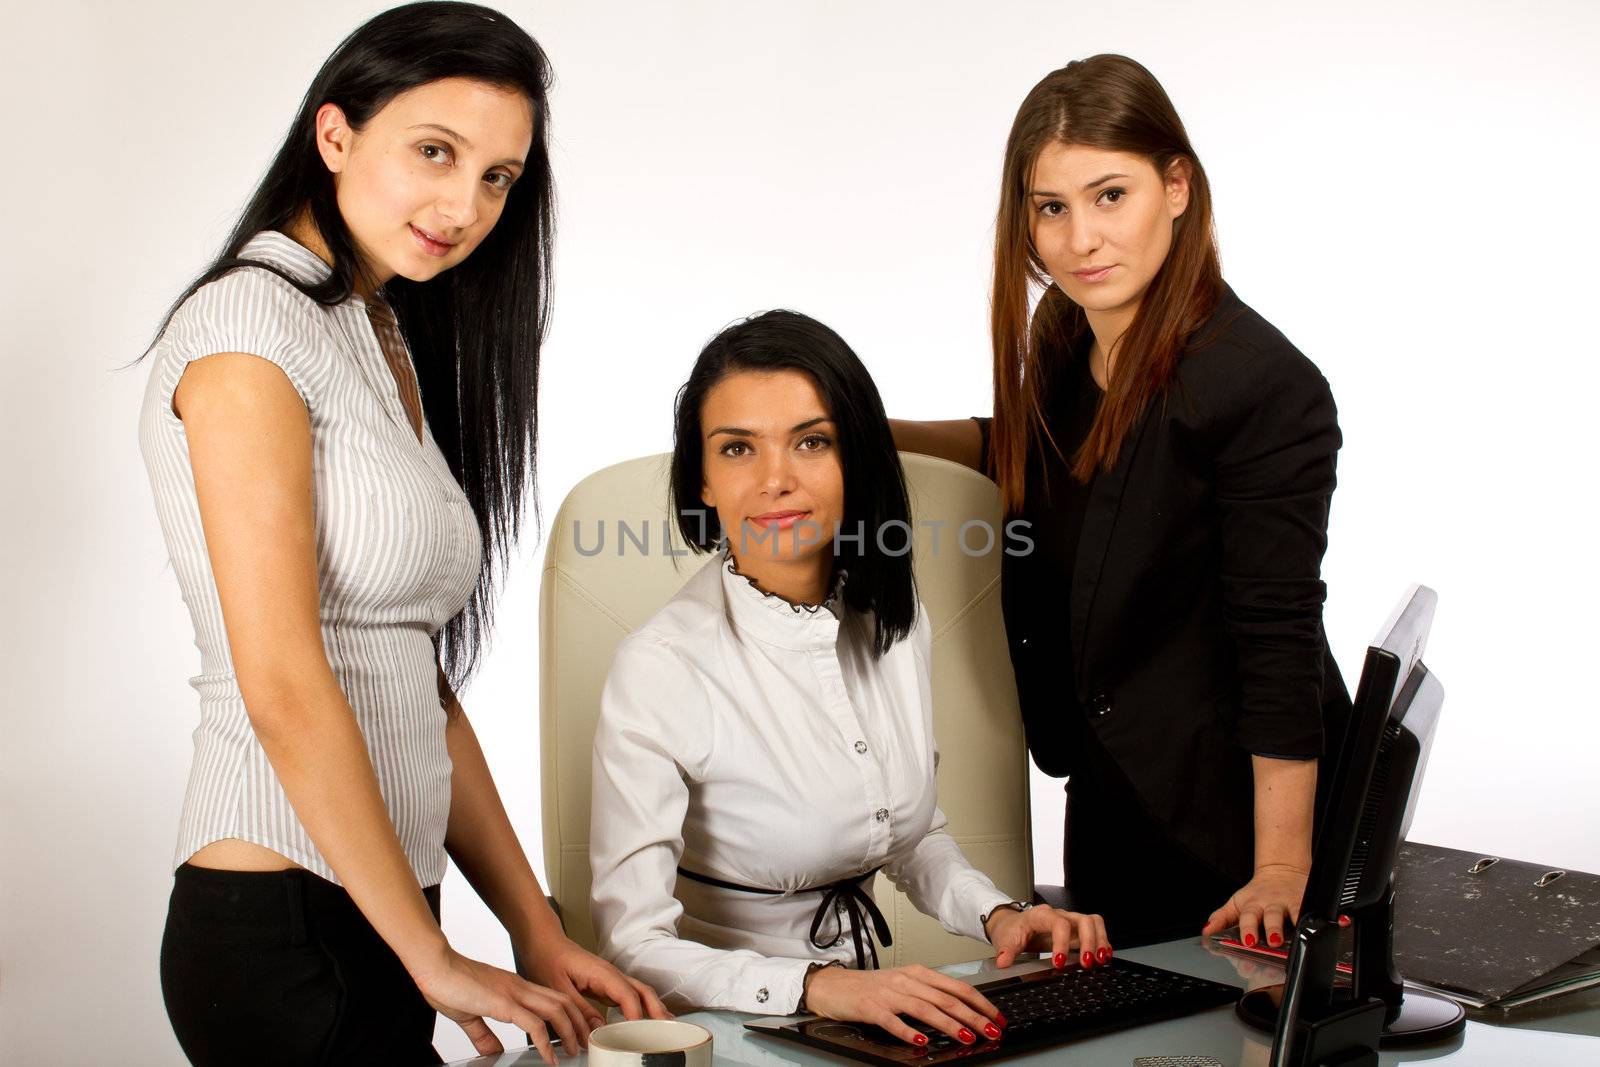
{"type": "Point", "coordinates": [846, 891]}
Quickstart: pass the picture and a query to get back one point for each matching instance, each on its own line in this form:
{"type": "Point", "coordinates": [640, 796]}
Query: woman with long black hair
{"type": "Point", "coordinates": [339, 430]}
{"type": "Point", "coordinates": [1174, 454]}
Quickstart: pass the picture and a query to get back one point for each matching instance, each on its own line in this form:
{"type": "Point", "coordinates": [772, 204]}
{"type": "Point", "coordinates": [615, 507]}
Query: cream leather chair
{"type": "Point", "coordinates": [606, 571]}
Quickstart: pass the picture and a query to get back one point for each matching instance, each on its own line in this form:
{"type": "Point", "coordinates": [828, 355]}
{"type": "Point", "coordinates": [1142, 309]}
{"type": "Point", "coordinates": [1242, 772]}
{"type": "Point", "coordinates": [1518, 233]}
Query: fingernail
{"type": "Point", "coordinates": [1250, 940]}
{"type": "Point", "coordinates": [1088, 959]}
{"type": "Point", "coordinates": [1105, 953]}
{"type": "Point", "coordinates": [966, 1036]}
{"type": "Point", "coordinates": [921, 1039]}
{"type": "Point", "coordinates": [1274, 939]}
{"type": "Point", "coordinates": [999, 1018]}
{"type": "Point", "coordinates": [992, 1030]}
{"type": "Point", "coordinates": [1061, 959]}
{"type": "Point", "coordinates": [1344, 920]}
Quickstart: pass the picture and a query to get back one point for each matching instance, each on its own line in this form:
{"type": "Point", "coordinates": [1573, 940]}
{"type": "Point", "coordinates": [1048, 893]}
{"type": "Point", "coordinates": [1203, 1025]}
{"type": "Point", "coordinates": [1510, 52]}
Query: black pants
{"type": "Point", "coordinates": [281, 968]}
{"type": "Point", "coordinates": [1124, 865]}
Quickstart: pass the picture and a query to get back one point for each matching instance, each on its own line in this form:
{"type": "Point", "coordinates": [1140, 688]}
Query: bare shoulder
{"type": "Point", "coordinates": [244, 338]}
{"type": "Point", "coordinates": [236, 385]}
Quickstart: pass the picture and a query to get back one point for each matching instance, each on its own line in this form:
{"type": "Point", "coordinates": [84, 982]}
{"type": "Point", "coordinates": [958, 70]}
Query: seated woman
{"type": "Point", "coordinates": [765, 742]}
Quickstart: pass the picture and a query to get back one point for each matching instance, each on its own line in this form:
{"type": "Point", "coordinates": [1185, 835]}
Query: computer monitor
{"type": "Point", "coordinates": [1377, 770]}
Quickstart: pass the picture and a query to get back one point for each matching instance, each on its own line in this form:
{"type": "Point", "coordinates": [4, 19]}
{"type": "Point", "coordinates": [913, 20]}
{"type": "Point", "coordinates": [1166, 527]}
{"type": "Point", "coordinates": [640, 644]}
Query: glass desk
{"type": "Point", "coordinates": [1564, 1032]}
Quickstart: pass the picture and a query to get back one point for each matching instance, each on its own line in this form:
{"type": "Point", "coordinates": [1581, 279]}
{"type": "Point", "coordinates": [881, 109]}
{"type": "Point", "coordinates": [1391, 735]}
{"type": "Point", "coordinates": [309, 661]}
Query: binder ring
{"type": "Point", "coordinates": [1548, 877]}
{"type": "Point", "coordinates": [1483, 865]}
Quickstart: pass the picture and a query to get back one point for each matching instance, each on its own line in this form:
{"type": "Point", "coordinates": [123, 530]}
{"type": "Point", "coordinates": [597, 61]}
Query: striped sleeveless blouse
{"type": "Point", "coordinates": [398, 555]}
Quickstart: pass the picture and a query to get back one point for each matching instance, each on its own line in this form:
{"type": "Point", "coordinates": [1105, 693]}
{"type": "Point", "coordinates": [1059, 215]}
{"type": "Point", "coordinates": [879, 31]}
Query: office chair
{"type": "Point", "coordinates": [606, 571]}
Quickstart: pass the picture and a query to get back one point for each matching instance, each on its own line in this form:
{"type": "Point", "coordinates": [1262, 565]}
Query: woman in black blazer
{"type": "Point", "coordinates": [1173, 455]}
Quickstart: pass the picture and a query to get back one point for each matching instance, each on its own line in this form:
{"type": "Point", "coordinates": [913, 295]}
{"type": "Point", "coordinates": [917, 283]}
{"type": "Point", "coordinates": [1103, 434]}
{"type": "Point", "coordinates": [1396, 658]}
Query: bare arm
{"type": "Point", "coordinates": [957, 440]}
{"type": "Point", "coordinates": [1285, 800]}
{"type": "Point", "coordinates": [482, 842]}
{"type": "Point", "coordinates": [1285, 795]}
{"type": "Point", "coordinates": [484, 845]}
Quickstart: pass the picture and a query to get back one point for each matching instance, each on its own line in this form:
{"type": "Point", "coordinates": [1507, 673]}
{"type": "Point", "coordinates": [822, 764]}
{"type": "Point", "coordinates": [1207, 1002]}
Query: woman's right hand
{"type": "Point", "coordinates": [467, 992]}
{"type": "Point", "coordinates": [881, 997]}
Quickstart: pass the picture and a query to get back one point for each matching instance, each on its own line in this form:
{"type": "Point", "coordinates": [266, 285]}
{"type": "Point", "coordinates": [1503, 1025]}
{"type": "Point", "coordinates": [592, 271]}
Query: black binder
{"type": "Point", "coordinates": [1494, 932]}
{"type": "Point", "coordinates": [1485, 931]}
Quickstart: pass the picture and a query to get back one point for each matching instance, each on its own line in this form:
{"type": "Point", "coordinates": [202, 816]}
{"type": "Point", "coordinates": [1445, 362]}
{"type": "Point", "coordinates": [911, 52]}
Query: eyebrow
{"type": "Point", "coordinates": [1091, 185]}
{"type": "Point", "coordinates": [465, 143]}
{"type": "Point", "coordinates": [739, 431]}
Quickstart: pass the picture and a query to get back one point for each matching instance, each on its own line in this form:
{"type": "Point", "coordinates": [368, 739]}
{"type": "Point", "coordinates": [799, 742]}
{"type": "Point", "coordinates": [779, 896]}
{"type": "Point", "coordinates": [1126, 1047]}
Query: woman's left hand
{"type": "Point", "coordinates": [567, 967]}
{"type": "Point", "coordinates": [1260, 907]}
{"type": "Point", "coordinates": [1045, 929]}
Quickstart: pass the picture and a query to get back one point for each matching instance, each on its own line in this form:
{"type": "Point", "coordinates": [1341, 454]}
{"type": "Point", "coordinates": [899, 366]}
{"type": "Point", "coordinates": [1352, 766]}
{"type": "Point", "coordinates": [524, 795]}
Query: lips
{"type": "Point", "coordinates": [1093, 274]}
{"type": "Point", "coordinates": [781, 519]}
{"type": "Point", "coordinates": [432, 243]}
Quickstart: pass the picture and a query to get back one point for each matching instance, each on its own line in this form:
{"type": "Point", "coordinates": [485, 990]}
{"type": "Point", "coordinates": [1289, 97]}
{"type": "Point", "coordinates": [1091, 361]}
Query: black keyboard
{"type": "Point", "coordinates": [1052, 1006]}
{"type": "Point", "coordinates": [1041, 1008]}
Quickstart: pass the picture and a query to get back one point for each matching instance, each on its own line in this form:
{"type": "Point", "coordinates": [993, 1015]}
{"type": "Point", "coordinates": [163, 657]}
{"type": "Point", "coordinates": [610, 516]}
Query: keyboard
{"type": "Point", "coordinates": [1046, 1007]}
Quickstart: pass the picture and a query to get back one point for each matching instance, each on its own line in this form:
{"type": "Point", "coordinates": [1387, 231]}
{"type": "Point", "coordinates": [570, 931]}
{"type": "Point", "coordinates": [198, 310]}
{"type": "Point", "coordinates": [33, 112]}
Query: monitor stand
{"type": "Point", "coordinates": [1410, 1017]}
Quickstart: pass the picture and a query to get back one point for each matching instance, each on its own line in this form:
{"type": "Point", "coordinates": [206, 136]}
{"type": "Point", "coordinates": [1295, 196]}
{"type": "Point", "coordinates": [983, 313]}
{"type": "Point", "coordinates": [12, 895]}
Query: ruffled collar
{"type": "Point", "coordinates": [775, 620]}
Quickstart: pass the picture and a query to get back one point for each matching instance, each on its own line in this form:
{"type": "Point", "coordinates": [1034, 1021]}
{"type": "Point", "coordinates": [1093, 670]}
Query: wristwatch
{"type": "Point", "coordinates": [1014, 905]}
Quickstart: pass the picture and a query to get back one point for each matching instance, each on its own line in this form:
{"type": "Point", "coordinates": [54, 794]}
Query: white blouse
{"type": "Point", "coordinates": [758, 742]}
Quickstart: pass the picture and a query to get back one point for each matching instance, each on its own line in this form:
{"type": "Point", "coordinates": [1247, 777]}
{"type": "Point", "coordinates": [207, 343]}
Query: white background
{"type": "Point", "coordinates": [1406, 190]}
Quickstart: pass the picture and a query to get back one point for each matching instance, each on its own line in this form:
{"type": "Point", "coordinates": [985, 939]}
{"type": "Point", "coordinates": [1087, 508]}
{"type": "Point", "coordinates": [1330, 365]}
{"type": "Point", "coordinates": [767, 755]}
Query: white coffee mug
{"type": "Point", "coordinates": [650, 1043]}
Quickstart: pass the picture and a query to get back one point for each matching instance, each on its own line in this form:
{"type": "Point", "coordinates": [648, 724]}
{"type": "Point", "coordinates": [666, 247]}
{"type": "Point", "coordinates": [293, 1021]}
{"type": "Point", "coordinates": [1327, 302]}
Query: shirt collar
{"type": "Point", "coordinates": [775, 620]}
{"type": "Point", "coordinates": [282, 251]}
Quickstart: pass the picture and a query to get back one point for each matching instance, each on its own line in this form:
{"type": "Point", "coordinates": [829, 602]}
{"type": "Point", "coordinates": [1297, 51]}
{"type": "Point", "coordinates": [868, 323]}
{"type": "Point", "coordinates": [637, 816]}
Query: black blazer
{"type": "Point", "coordinates": [1195, 630]}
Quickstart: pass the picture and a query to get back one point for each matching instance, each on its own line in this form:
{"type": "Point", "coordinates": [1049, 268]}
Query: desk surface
{"type": "Point", "coordinates": [1564, 1033]}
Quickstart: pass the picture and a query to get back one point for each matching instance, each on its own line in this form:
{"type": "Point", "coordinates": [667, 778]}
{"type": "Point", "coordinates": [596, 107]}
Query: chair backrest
{"type": "Point", "coordinates": [607, 570]}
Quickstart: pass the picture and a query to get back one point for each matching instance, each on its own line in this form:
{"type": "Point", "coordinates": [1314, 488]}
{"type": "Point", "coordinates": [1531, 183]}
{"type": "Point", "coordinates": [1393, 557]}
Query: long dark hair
{"type": "Point", "coordinates": [875, 496]}
{"type": "Point", "coordinates": [1114, 103]}
{"type": "Point", "coordinates": [474, 331]}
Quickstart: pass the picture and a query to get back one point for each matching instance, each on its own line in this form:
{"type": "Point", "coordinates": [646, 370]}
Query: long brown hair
{"type": "Point", "coordinates": [1108, 102]}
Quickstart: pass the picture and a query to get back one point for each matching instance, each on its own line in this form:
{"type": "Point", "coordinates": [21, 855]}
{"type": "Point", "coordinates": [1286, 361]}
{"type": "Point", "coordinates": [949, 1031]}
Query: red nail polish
{"type": "Point", "coordinates": [1250, 940]}
{"type": "Point", "coordinates": [1274, 939]}
{"type": "Point", "coordinates": [1088, 960]}
{"type": "Point", "coordinates": [1344, 920]}
{"type": "Point", "coordinates": [993, 1031]}
{"type": "Point", "coordinates": [966, 1036]}
{"type": "Point", "coordinates": [1060, 960]}
{"type": "Point", "coordinates": [921, 1039]}
{"type": "Point", "coordinates": [1105, 953]}
{"type": "Point", "coordinates": [999, 1018]}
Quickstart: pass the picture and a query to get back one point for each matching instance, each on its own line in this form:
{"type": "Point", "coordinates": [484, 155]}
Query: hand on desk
{"type": "Point", "coordinates": [1261, 906]}
{"type": "Point", "coordinates": [1064, 934]}
{"type": "Point", "coordinates": [467, 992]}
{"type": "Point", "coordinates": [574, 972]}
